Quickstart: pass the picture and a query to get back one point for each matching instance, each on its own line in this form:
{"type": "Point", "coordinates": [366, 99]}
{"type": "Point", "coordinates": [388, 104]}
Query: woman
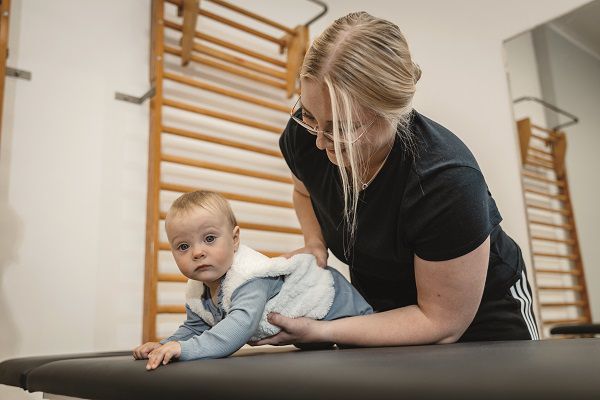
{"type": "Point", "coordinates": [397, 197]}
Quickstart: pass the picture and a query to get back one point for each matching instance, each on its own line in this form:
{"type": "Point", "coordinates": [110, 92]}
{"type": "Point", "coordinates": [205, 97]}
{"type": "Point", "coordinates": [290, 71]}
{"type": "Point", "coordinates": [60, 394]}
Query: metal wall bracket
{"type": "Point", "coordinates": [323, 12]}
{"type": "Point", "coordinates": [552, 107]}
{"type": "Point", "coordinates": [18, 73]}
{"type": "Point", "coordinates": [136, 100]}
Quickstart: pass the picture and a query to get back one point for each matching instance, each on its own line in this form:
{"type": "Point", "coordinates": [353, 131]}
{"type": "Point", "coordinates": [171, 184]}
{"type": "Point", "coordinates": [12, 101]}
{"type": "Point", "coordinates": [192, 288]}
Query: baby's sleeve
{"type": "Point", "coordinates": [232, 332]}
{"type": "Point", "coordinates": [193, 326]}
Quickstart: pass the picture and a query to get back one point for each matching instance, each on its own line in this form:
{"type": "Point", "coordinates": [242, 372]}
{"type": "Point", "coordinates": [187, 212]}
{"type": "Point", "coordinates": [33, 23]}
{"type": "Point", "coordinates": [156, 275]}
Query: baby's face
{"type": "Point", "coordinates": [203, 243]}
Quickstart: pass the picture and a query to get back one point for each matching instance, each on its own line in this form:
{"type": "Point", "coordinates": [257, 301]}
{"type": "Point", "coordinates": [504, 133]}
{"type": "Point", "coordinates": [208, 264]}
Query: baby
{"type": "Point", "coordinates": [232, 288]}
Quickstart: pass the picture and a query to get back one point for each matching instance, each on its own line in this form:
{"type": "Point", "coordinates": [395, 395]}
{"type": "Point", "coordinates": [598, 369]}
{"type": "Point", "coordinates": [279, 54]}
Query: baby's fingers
{"type": "Point", "coordinates": [154, 359]}
{"type": "Point", "coordinates": [168, 357]}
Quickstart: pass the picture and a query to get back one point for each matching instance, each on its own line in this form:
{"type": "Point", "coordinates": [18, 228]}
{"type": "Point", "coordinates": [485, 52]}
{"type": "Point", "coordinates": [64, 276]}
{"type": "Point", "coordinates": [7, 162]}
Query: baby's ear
{"type": "Point", "coordinates": [236, 237]}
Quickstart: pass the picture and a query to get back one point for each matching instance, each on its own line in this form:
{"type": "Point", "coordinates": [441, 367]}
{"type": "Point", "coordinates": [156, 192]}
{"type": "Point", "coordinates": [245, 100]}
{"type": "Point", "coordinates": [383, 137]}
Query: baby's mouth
{"type": "Point", "coordinates": [200, 267]}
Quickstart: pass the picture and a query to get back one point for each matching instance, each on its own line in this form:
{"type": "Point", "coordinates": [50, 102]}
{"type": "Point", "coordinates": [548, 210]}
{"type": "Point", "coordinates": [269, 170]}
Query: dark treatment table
{"type": "Point", "coordinates": [549, 369]}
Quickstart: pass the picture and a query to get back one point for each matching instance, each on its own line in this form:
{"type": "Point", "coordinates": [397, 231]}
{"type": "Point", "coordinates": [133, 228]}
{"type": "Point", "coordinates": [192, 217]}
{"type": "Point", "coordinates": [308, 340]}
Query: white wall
{"type": "Point", "coordinates": [73, 160]}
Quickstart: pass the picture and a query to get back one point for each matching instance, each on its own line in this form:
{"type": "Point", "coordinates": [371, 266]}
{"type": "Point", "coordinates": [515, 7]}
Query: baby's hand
{"type": "Point", "coordinates": [143, 350]}
{"type": "Point", "coordinates": [163, 354]}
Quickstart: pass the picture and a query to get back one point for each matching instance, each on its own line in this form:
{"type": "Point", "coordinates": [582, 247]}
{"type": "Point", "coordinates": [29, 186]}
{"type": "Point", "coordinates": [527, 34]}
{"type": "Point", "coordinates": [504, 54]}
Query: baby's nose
{"type": "Point", "coordinates": [199, 252]}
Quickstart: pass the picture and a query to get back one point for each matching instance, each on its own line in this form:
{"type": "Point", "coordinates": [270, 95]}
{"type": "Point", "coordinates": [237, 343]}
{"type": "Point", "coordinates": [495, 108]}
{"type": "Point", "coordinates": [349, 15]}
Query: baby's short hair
{"type": "Point", "coordinates": [206, 199]}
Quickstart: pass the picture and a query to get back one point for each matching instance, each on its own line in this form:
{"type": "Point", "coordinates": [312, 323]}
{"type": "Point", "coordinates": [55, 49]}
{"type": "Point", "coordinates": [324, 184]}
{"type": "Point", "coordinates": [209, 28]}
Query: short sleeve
{"type": "Point", "coordinates": [288, 146]}
{"type": "Point", "coordinates": [448, 214]}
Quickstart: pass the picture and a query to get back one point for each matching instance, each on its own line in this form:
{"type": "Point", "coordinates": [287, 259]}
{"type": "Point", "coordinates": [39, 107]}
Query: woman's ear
{"type": "Point", "coordinates": [236, 237]}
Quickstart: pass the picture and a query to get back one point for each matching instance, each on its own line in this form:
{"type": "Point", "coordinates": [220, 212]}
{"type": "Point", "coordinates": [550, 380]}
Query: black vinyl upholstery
{"type": "Point", "coordinates": [548, 369]}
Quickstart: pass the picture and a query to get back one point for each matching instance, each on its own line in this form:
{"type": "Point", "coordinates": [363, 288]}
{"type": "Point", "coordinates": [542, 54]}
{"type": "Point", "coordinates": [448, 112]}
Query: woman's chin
{"type": "Point", "coordinates": [331, 156]}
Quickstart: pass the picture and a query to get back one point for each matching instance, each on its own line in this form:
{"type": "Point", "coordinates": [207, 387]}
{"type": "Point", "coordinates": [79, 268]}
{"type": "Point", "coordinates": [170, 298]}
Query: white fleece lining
{"type": "Point", "coordinates": [307, 290]}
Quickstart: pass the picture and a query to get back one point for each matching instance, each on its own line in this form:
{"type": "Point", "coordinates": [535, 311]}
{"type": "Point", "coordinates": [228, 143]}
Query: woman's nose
{"type": "Point", "coordinates": [321, 142]}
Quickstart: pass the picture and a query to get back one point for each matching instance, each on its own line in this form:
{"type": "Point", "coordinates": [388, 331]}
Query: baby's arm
{"type": "Point", "coordinates": [193, 325]}
{"type": "Point", "coordinates": [232, 332]}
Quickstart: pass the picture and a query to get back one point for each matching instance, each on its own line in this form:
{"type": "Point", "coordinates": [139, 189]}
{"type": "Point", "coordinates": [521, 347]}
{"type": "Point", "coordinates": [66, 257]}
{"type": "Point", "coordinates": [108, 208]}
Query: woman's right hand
{"type": "Point", "coordinates": [317, 249]}
{"type": "Point", "coordinates": [141, 352]}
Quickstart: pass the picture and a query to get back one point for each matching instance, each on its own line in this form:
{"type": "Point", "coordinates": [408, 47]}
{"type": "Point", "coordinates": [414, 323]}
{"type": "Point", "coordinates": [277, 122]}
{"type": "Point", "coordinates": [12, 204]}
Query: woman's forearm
{"type": "Point", "coordinates": [402, 326]}
{"type": "Point", "coordinates": [307, 218]}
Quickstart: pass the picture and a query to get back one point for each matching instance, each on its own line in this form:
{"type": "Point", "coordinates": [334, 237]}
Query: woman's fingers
{"type": "Point", "coordinates": [279, 320]}
{"type": "Point", "coordinates": [319, 251]}
{"type": "Point", "coordinates": [322, 259]}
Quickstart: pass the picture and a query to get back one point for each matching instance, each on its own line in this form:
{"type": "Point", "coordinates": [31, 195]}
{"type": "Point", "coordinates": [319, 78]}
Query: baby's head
{"type": "Point", "coordinates": [203, 234]}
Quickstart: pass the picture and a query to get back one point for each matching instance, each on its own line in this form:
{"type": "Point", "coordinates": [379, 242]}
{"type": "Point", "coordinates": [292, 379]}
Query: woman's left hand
{"type": "Point", "coordinates": [294, 330]}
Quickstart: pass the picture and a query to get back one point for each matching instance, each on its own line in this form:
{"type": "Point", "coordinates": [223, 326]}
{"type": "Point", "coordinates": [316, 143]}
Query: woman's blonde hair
{"type": "Point", "coordinates": [365, 63]}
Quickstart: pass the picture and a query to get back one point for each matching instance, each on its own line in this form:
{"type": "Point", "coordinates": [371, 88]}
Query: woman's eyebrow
{"type": "Point", "coordinates": [311, 114]}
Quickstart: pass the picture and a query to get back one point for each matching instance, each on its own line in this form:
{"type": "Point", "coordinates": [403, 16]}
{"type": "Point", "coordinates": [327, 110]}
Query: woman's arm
{"type": "Point", "coordinates": [449, 294]}
{"type": "Point", "coordinates": [313, 237]}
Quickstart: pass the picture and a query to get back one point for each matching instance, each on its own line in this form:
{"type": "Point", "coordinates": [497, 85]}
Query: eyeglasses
{"type": "Point", "coordinates": [328, 135]}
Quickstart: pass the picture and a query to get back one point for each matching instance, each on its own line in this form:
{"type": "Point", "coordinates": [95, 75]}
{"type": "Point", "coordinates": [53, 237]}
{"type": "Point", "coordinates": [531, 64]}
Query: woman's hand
{"type": "Point", "coordinates": [294, 330]}
{"type": "Point", "coordinates": [142, 351]}
{"type": "Point", "coordinates": [317, 249]}
{"type": "Point", "coordinates": [163, 355]}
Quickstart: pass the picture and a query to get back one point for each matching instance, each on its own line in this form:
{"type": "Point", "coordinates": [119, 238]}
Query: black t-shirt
{"type": "Point", "coordinates": [433, 202]}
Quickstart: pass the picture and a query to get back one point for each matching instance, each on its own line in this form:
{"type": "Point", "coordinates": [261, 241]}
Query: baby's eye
{"type": "Point", "coordinates": [183, 247]}
{"type": "Point", "coordinates": [210, 238]}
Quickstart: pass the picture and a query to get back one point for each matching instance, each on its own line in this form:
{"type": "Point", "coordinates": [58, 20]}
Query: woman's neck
{"type": "Point", "coordinates": [378, 157]}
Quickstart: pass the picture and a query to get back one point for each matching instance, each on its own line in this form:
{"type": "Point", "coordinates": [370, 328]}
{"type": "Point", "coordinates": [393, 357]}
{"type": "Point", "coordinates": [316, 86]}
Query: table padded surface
{"type": "Point", "coordinates": [492, 370]}
{"type": "Point", "coordinates": [14, 372]}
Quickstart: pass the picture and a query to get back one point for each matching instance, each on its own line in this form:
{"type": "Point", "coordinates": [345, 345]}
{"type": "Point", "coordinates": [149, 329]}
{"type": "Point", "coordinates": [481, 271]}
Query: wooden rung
{"type": "Point", "coordinates": [172, 277]}
{"type": "Point", "coordinates": [542, 153]}
{"type": "Point", "coordinates": [233, 24]}
{"type": "Point", "coordinates": [548, 209]}
{"type": "Point", "coordinates": [567, 227]}
{"type": "Point", "coordinates": [224, 168]}
{"type": "Point", "coordinates": [551, 255]}
{"type": "Point", "coordinates": [254, 16]}
{"type": "Point", "coordinates": [226, 117]}
{"type": "Point", "coordinates": [229, 196]}
{"type": "Point", "coordinates": [543, 138]}
{"type": "Point", "coordinates": [241, 62]}
{"type": "Point", "coordinates": [228, 45]}
{"type": "Point", "coordinates": [565, 321]}
{"type": "Point", "coordinates": [545, 194]}
{"type": "Point", "coordinates": [550, 132]}
{"type": "Point", "coordinates": [226, 21]}
{"type": "Point", "coordinates": [224, 142]}
{"type": "Point", "coordinates": [576, 288]}
{"type": "Point", "coordinates": [541, 178]}
{"type": "Point", "coordinates": [565, 304]}
{"type": "Point", "coordinates": [231, 46]}
{"type": "Point", "coordinates": [200, 59]}
{"type": "Point", "coordinates": [544, 160]}
{"type": "Point", "coordinates": [547, 239]}
{"type": "Point", "coordinates": [270, 228]}
{"type": "Point", "coordinates": [225, 92]}
{"type": "Point", "coordinates": [533, 163]}
{"type": "Point", "coordinates": [170, 309]}
{"type": "Point", "coordinates": [258, 227]}
{"type": "Point", "coordinates": [166, 247]}
{"type": "Point", "coordinates": [557, 271]}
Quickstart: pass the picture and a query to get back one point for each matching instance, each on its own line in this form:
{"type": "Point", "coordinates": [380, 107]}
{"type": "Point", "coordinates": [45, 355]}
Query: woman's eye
{"type": "Point", "coordinates": [306, 116]}
{"type": "Point", "coordinates": [183, 247]}
{"type": "Point", "coordinates": [210, 238]}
